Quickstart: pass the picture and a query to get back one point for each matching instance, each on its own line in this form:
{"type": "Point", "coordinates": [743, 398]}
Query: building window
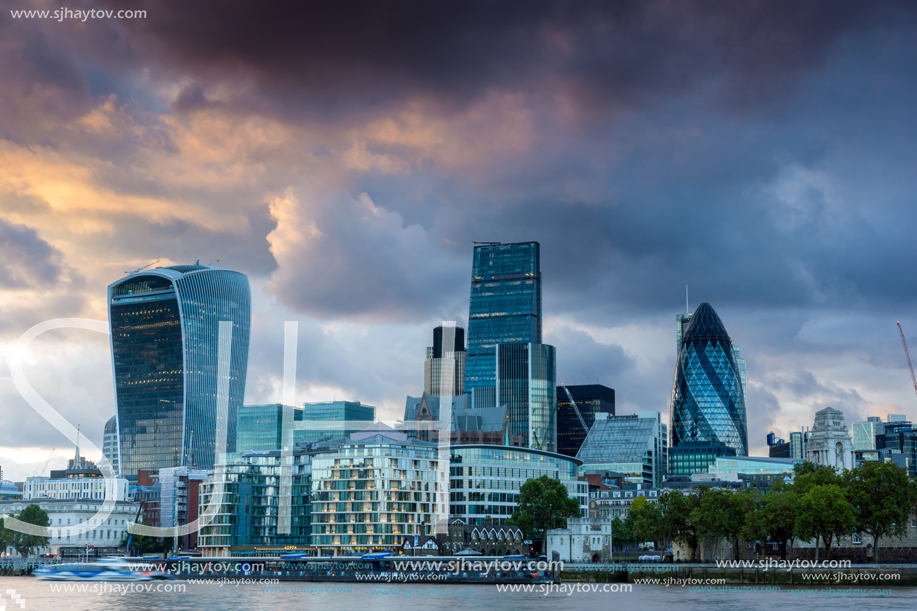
{"type": "Point", "coordinates": [855, 538]}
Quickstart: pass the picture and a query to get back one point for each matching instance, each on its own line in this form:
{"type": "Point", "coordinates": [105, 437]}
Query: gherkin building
{"type": "Point", "coordinates": [708, 398]}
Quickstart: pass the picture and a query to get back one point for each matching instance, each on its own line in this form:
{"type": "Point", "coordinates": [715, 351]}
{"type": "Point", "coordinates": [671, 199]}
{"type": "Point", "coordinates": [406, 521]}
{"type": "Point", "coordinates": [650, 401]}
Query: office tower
{"type": "Point", "coordinates": [708, 398]}
{"type": "Point", "coordinates": [633, 445]}
{"type": "Point", "coordinates": [681, 325]}
{"type": "Point", "coordinates": [864, 433]}
{"type": "Point", "coordinates": [164, 325]}
{"type": "Point", "coordinates": [444, 367]}
{"type": "Point", "coordinates": [260, 427]}
{"type": "Point", "coordinates": [590, 399]}
{"type": "Point", "coordinates": [797, 445]}
{"type": "Point", "coordinates": [110, 443]}
{"type": "Point", "coordinates": [691, 457]}
{"type": "Point", "coordinates": [505, 306]}
{"type": "Point", "coordinates": [526, 382]}
{"type": "Point", "coordinates": [336, 411]}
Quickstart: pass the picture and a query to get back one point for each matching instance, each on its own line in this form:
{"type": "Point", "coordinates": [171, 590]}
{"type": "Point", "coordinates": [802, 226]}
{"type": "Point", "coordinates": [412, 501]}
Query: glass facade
{"type": "Point", "coordinates": [260, 427]}
{"type": "Point", "coordinates": [485, 480]}
{"type": "Point", "coordinates": [335, 411]}
{"type": "Point", "coordinates": [527, 385]}
{"type": "Point", "coordinates": [505, 305]}
{"type": "Point", "coordinates": [633, 445]}
{"type": "Point", "coordinates": [371, 494]}
{"type": "Point", "coordinates": [164, 327]}
{"type": "Point", "coordinates": [692, 457]}
{"type": "Point", "coordinates": [248, 490]}
{"type": "Point", "coordinates": [590, 399]}
{"type": "Point", "coordinates": [708, 398]}
{"type": "Point", "coordinates": [751, 465]}
{"type": "Point", "coordinates": [110, 443]}
{"type": "Point", "coordinates": [864, 433]}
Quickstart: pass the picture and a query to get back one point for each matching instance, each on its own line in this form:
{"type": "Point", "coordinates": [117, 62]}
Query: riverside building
{"type": "Point", "coordinates": [164, 325]}
{"type": "Point", "coordinates": [375, 489]}
{"type": "Point", "coordinates": [485, 480]}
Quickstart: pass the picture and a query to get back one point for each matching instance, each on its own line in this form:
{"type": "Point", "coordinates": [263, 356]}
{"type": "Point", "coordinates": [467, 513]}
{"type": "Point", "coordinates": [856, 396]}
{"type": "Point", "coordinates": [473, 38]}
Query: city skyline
{"type": "Point", "coordinates": [773, 178]}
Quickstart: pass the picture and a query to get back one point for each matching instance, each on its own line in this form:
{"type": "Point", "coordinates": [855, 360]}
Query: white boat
{"type": "Point", "coordinates": [105, 569]}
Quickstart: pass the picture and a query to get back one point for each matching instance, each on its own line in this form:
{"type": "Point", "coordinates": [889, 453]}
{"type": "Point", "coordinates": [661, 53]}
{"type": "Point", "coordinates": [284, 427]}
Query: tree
{"type": "Point", "coordinates": [775, 517]}
{"type": "Point", "coordinates": [883, 497]}
{"type": "Point", "coordinates": [647, 520]}
{"type": "Point", "coordinates": [622, 531]}
{"type": "Point", "coordinates": [543, 504]}
{"type": "Point", "coordinates": [148, 544]}
{"type": "Point", "coordinates": [26, 544]}
{"type": "Point", "coordinates": [676, 510]}
{"type": "Point", "coordinates": [810, 474]}
{"type": "Point", "coordinates": [824, 513]}
{"type": "Point", "coordinates": [722, 514]}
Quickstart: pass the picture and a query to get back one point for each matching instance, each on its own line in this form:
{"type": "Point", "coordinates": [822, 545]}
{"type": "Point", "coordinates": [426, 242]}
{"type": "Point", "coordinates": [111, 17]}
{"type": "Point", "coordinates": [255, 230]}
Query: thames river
{"type": "Point", "coordinates": [459, 597]}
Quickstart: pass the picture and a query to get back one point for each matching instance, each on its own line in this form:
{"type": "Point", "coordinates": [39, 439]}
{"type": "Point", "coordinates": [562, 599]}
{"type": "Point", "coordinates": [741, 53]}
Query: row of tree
{"type": "Point", "coordinates": [874, 499]}
{"type": "Point", "coordinates": [24, 544]}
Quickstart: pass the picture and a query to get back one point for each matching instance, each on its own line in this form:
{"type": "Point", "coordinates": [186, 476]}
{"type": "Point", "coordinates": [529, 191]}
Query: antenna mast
{"type": "Point", "coordinates": [687, 309]}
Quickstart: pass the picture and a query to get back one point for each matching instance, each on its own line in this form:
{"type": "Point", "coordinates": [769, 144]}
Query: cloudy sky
{"type": "Point", "coordinates": [345, 155]}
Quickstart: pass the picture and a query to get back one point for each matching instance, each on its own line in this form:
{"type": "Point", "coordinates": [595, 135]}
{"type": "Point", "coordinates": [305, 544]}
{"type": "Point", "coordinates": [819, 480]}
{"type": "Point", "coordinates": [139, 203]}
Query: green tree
{"type": "Point", "coordinates": [883, 497]}
{"type": "Point", "coordinates": [647, 520]}
{"type": "Point", "coordinates": [543, 504]}
{"type": "Point", "coordinates": [809, 475]}
{"type": "Point", "coordinates": [676, 510]}
{"type": "Point", "coordinates": [722, 514]}
{"type": "Point", "coordinates": [147, 544]}
{"type": "Point", "coordinates": [824, 513]}
{"type": "Point", "coordinates": [25, 544]}
{"type": "Point", "coordinates": [774, 519]}
{"type": "Point", "coordinates": [622, 531]}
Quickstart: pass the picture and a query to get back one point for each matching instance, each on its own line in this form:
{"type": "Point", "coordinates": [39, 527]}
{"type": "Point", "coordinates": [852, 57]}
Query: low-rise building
{"type": "Point", "coordinates": [489, 539]}
{"type": "Point", "coordinates": [66, 514]}
{"type": "Point", "coordinates": [584, 540]}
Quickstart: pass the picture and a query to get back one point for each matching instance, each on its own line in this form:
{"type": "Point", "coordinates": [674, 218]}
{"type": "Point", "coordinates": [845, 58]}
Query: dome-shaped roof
{"type": "Point", "coordinates": [705, 324]}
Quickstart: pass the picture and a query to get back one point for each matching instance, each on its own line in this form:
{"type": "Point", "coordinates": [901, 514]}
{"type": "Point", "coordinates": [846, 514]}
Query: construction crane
{"type": "Point", "coordinates": [575, 408]}
{"type": "Point", "coordinates": [139, 269]}
{"type": "Point", "coordinates": [47, 462]}
{"type": "Point", "coordinates": [907, 355]}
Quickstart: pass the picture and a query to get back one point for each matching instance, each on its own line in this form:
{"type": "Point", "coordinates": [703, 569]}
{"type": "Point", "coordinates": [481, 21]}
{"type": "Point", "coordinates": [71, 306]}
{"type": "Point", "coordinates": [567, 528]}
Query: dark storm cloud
{"type": "Point", "coordinates": [26, 261]}
{"type": "Point", "coordinates": [338, 57]}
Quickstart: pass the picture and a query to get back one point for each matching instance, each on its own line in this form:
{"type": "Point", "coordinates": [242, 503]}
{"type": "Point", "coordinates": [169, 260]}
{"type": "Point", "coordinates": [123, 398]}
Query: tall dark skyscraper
{"type": "Point", "coordinates": [590, 400]}
{"type": "Point", "coordinates": [708, 394]}
{"type": "Point", "coordinates": [164, 325]}
{"type": "Point", "coordinates": [505, 306]}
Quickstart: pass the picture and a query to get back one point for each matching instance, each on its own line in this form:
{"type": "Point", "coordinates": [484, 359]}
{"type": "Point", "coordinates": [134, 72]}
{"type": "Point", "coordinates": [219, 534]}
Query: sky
{"type": "Point", "coordinates": [345, 155]}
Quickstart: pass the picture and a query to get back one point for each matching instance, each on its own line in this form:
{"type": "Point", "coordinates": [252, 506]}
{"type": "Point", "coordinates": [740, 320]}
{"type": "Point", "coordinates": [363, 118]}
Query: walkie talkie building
{"type": "Point", "coordinates": [164, 325]}
{"type": "Point", "coordinates": [708, 395]}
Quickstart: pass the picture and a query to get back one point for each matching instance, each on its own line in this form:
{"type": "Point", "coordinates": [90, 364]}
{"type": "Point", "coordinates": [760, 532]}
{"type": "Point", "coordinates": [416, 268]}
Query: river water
{"type": "Point", "coordinates": [40, 596]}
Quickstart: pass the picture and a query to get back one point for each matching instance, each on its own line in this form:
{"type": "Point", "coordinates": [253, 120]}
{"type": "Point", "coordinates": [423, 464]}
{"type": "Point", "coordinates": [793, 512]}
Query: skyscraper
{"type": "Point", "coordinates": [708, 396]}
{"type": "Point", "coordinates": [590, 400]}
{"type": "Point", "coordinates": [164, 325]}
{"type": "Point", "coordinates": [505, 306]}
{"type": "Point", "coordinates": [110, 443]}
{"type": "Point", "coordinates": [444, 367]}
{"type": "Point", "coordinates": [526, 381]}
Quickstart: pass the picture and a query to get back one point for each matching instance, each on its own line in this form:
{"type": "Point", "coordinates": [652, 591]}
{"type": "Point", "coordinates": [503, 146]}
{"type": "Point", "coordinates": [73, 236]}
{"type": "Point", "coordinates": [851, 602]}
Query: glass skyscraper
{"type": "Point", "coordinates": [164, 326]}
{"type": "Point", "coordinates": [505, 306]}
{"type": "Point", "coordinates": [526, 382]}
{"type": "Point", "coordinates": [708, 394]}
{"type": "Point", "coordinates": [632, 445]}
{"type": "Point", "coordinates": [260, 427]}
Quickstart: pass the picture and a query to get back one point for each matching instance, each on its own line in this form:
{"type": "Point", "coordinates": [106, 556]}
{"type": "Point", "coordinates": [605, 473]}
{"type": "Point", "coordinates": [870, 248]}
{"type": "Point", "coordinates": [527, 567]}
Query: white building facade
{"type": "Point", "coordinates": [829, 441]}
{"type": "Point", "coordinates": [66, 514]}
{"type": "Point", "coordinates": [584, 541]}
{"type": "Point", "coordinates": [94, 488]}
